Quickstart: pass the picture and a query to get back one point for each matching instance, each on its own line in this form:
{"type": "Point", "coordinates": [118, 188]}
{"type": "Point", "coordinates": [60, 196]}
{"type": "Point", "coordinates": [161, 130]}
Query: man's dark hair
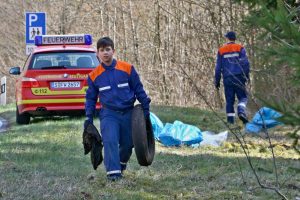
{"type": "Point", "coordinates": [105, 42]}
{"type": "Point", "coordinates": [231, 35]}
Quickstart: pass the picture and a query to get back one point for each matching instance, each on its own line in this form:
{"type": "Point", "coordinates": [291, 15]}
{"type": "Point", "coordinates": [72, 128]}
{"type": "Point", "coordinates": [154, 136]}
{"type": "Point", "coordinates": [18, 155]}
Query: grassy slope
{"type": "Point", "coordinates": [44, 160]}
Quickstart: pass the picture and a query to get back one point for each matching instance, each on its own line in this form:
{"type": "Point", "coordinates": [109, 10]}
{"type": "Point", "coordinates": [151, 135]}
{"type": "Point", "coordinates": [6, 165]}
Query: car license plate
{"type": "Point", "coordinates": [70, 84]}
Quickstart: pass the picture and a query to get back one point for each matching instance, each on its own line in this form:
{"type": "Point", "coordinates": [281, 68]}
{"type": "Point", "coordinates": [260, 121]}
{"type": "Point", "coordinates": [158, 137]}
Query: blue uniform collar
{"type": "Point", "coordinates": [110, 67]}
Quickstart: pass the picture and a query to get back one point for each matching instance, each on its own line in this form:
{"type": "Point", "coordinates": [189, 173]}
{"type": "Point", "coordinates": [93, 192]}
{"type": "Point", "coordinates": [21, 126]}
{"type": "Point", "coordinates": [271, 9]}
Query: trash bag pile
{"type": "Point", "coordinates": [179, 133]}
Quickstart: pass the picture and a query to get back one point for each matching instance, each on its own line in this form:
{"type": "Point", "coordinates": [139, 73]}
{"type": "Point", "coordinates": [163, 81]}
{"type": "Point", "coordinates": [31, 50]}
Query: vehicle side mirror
{"type": "Point", "coordinates": [15, 71]}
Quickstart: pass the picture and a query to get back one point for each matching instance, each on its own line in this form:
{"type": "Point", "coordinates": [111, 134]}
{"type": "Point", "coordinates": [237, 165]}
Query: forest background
{"type": "Point", "coordinates": [171, 42]}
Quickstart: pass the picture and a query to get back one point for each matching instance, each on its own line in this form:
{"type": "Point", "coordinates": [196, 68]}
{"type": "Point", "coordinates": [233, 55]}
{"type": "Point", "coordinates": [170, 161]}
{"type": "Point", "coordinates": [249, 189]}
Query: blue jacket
{"type": "Point", "coordinates": [118, 86]}
{"type": "Point", "coordinates": [231, 61]}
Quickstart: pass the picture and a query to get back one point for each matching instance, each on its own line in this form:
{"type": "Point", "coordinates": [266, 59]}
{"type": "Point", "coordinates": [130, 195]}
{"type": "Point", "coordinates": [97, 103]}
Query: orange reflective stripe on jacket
{"type": "Point", "coordinates": [96, 72]}
{"type": "Point", "coordinates": [229, 48]}
{"type": "Point", "coordinates": [124, 66]}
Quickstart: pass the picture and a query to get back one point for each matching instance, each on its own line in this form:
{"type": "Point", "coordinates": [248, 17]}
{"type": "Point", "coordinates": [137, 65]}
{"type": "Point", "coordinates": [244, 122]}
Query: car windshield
{"type": "Point", "coordinates": [64, 60]}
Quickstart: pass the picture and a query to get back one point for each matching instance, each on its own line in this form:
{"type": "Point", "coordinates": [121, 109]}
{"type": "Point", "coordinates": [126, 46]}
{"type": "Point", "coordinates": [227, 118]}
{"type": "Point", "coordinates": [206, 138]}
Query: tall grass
{"type": "Point", "coordinates": [45, 160]}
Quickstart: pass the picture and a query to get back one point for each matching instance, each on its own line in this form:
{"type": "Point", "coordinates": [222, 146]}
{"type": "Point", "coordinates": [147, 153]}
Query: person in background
{"type": "Point", "coordinates": [233, 65]}
{"type": "Point", "coordinates": [117, 85]}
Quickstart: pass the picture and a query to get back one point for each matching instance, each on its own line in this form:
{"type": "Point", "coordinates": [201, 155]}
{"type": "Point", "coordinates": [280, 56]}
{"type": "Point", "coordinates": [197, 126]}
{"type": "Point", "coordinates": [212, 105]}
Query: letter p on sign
{"type": "Point", "coordinates": [32, 18]}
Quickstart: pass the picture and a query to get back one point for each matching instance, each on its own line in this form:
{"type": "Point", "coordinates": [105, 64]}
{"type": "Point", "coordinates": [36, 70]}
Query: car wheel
{"type": "Point", "coordinates": [142, 136]}
{"type": "Point", "coordinates": [23, 118]}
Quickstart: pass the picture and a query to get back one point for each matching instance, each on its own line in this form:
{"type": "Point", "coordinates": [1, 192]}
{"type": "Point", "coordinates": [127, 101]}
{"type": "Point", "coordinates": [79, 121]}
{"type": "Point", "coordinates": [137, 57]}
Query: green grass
{"type": "Point", "coordinates": [45, 160]}
{"type": "Point", "coordinates": [205, 120]}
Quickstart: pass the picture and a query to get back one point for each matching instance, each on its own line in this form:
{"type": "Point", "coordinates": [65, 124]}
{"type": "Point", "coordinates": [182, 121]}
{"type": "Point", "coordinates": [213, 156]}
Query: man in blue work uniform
{"type": "Point", "coordinates": [233, 65]}
{"type": "Point", "coordinates": [117, 84]}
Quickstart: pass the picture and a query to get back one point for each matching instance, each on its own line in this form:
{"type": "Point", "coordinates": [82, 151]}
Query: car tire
{"type": "Point", "coordinates": [142, 136]}
{"type": "Point", "coordinates": [23, 118]}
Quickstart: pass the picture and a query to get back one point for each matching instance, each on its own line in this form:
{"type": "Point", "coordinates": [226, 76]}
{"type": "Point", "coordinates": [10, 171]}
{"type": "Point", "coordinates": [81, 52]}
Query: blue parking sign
{"type": "Point", "coordinates": [35, 25]}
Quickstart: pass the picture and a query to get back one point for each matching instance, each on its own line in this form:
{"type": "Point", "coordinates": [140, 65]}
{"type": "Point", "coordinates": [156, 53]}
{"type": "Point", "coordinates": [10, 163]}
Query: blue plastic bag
{"type": "Point", "coordinates": [157, 125]}
{"type": "Point", "coordinates": [265, 117]}
{"type": "Point", "coordinates": [179, 133]}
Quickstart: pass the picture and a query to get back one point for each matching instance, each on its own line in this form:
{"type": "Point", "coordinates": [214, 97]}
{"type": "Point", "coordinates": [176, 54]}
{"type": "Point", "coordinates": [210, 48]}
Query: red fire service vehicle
{"type": "Point", "coordinates": [53, 79]}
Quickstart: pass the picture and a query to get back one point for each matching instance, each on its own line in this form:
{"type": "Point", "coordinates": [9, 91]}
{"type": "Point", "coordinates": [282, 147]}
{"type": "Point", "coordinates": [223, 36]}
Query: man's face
{"type": "Point", "coordinates": [105, 54]}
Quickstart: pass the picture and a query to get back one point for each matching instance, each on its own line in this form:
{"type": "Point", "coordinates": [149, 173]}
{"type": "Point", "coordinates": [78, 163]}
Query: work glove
{"type": "Point", "coordinates": [217, 85]}
{"type": "Point", "coordinates": [89, 120]}
{"type": "Point", "coordinates": [248, 80]}
{"type": "Point", "coordinates": [147, 114]}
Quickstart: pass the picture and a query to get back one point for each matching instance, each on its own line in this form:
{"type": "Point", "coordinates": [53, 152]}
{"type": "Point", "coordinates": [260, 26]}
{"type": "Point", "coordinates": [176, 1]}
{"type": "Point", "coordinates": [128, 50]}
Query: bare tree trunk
{"type": "Point", "coordinates": [114, 25]}
{"type": "Point", "coordinates": [220, 20]}
{"type": "Point", "coordinates": [134, 36]}
{"type": "Point", "coordinates": [125, 43]}
{"type": "Point", "coordinates": [231, 25]}
{"type": "Point", "coordinates": [63, 18]}
{"type": "Point", "coordinates": [160, 44]}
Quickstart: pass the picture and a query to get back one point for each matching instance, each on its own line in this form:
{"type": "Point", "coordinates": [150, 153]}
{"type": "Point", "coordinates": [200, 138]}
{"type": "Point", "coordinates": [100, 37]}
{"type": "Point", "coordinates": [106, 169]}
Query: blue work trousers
{"type": "Point", "coordinates": [235, 86]}
{"type": "Point", "coordinates": [117, 139]}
